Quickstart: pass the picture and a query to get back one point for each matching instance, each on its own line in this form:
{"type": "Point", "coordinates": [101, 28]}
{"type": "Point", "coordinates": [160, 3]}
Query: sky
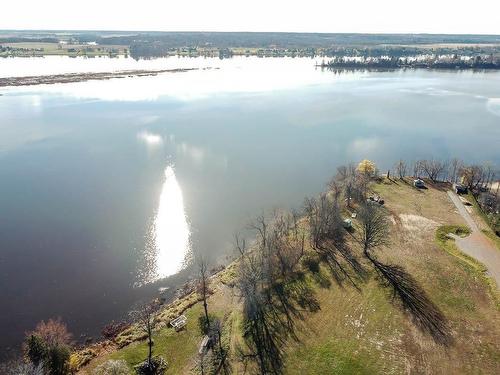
{"type": "Point", "coordinates": [356, 16]}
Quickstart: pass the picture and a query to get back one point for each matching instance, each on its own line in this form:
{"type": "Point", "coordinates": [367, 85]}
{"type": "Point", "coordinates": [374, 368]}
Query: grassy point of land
{"type": "Point", "coordinates": [365, 330]}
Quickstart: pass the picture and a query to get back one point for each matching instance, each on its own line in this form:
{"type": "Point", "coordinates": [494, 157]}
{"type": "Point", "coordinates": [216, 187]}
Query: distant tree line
{"type": "Point", "coordinates": [157, 44]}
{"type": "Point", "coordinates": [422, 61]}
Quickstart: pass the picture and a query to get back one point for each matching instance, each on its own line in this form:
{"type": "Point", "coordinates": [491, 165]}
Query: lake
{"type": "Point", "coordinates": [107, 188]}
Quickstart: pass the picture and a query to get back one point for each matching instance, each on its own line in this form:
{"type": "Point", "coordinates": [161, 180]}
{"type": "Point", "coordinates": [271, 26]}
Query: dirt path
{"type": "Point", "coordinates": [477, 245]}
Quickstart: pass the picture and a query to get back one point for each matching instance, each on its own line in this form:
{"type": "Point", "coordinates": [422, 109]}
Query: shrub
{"type": "Point", "coordinates": [203, 325]}
{"type": "Point", "coordinates": [48, 345]}
{"type": "Point", "coordinates": [19, 367]}
{"type": "Point", "coordinates": [53, 332]}
{"type": "Point", "coordinates": [112, 367]}
{"type": "Point", "coordinates": [56, 361]}
{"type": "Point", "coordinates": [35, 349]}
{"type": "Point", "coordinates": [311, 263]}
{"type": "Point", "coordinates": [81, 358]}
{"type": "Point", "coordinates": [158, 366]}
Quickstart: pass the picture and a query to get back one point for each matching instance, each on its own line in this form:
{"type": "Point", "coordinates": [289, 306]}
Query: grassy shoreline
{"type": "Point", "coordinates": [357, 332]}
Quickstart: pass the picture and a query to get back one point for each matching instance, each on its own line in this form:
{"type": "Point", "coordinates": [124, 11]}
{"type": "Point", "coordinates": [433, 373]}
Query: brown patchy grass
{"type": "Point", "coordinates": [367, 332]}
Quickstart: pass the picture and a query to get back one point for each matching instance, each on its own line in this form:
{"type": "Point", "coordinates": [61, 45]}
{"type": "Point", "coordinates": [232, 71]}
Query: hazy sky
{"type": "Point", "coordinates": [377, 16]}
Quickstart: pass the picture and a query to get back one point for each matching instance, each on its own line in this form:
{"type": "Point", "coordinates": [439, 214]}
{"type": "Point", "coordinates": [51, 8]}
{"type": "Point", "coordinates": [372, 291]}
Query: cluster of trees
{"type": "Point", "coordinates": [432, 61]}
{"type": "Point", "coordinates": [46, 350]}
{"type": "Point", "coordinates": [273, 289]}
{"type": "Point", "coordinates": [476, 177]}
{"type": "Point", "coordinates": [272, 270]}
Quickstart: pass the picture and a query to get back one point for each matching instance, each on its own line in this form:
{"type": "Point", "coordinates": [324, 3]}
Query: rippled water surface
{"type": "Point", "coordinates": [109, 187]}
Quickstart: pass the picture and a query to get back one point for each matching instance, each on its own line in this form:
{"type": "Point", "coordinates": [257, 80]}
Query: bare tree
{"type": "Point", "coordinates": [433, 169]}
{"type": "Point", "coordinates": [417, 168]}
{"type": "Point", "coordinates": [489, 173]}
{"type": "Point", "coordinates": [401, 169]}
{"type": "Point", "coordinates": [472, 176]}
{"type": "Point", "coordinates": [374, 227]}
{"type": "Point", "coordinates": [327, 236]}
{"type": "Point", "coordinates": [425, 314]}
{"type": "Point", "coordinates": [455, 166]}
{"type": "Point", "coordinates": [145, 316]}
{"type": "Point", "coordinates": [280, 240]}
{"type": "Point", "coordinates": [274, 296]}
{"type": "Point", "coordinates": [203, 283]}
{"type": "Point", "coordinates": [352, 184]}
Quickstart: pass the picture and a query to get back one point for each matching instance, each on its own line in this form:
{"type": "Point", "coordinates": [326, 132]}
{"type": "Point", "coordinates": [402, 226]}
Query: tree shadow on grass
{"type": "Point", "coordinates": [424, 313]}
{"type": "Point", "coordinates": [321, 279]}
{"type": "Point", "coordinates": [270, 319]}
{"type": "Point", "coordinates": [342, 263]}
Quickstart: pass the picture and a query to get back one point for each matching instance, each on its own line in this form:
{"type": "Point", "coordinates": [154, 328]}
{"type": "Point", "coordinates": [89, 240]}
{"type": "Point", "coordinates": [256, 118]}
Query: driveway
{"type": "Point", "coordinates": [477, 245]}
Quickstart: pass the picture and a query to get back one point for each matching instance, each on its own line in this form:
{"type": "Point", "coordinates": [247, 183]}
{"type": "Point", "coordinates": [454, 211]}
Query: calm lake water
{"type": "Point", "coordinates": [108, 187]}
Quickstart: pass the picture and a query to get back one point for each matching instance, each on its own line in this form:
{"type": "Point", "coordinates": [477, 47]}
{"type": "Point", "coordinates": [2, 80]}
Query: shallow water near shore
{"type": "Point", "coordinates": [109, 187]}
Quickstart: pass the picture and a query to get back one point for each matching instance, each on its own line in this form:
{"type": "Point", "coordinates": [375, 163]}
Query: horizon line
{"type": "Point", "coordinates": [248, 32]}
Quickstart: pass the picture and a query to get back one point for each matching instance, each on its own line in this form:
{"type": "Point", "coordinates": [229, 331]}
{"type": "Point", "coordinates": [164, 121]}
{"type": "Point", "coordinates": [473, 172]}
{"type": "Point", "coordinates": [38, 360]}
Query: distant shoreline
{"type": "Point", "coordinates": [80, 77]}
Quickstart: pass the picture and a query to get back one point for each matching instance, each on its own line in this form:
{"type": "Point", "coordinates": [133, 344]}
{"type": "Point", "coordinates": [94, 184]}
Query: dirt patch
{"type": "Point", "coordinates": [416, 223]}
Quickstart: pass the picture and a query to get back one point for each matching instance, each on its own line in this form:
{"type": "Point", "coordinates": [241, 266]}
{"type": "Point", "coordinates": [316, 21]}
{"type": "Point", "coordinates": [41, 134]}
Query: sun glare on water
{"type": "Point", "coordinates": [171, 229]}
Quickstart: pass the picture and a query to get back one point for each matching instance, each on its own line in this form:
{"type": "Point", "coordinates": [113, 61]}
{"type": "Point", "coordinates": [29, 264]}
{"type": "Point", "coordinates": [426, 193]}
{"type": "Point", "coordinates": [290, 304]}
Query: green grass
{"type": "Point", "coordinates": [176, 347]}
{"type": "Point", "coordinates": [492, 237]}
{"type": "Point", "coordinates": [458, 230]}
{"type": "Point", "coordinates": [333, 357]}
{"type": "Point", "coordinates": [350, 334]}
{"type": "Point", "coordinates": [472, 266]}
{"type": "Point", "coordinates": [448, 244]}
{"type": "Point", "coordinates": [490, 232]}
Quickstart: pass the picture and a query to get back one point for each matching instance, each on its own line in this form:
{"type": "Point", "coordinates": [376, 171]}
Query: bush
{"type": "Point", "coordinates": [203, 325]}
{"type": "Point", "coordinates": [311, 263]}
{"type": "Point", "coordinates": [112, 367]}
{"type": "Point", "coordinates": [19, 367]}
{"type": "Point", "coordinates": [48, 345]}
{"type": "Point", "coordinates": [35, 349]}
{"type": "Point", "coordinates": [80, 358]}
{"type": "Point", "coordinates": [56, 361]}
{"type": "Point", "coordinates": [158, 366]}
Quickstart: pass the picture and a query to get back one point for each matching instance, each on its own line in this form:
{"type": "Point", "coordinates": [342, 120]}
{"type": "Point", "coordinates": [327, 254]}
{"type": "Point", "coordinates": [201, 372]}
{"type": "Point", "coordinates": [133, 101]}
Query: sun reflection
{"type": "Point", "coordinates": [171, 229]}
{"type": "Point", "coordinates": [150, 139]}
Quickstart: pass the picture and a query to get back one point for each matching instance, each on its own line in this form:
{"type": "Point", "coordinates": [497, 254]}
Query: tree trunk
{"type": "Point", "coordinates": [205, 306]}
{"type": "Point", "coordinates": [150, 345]}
